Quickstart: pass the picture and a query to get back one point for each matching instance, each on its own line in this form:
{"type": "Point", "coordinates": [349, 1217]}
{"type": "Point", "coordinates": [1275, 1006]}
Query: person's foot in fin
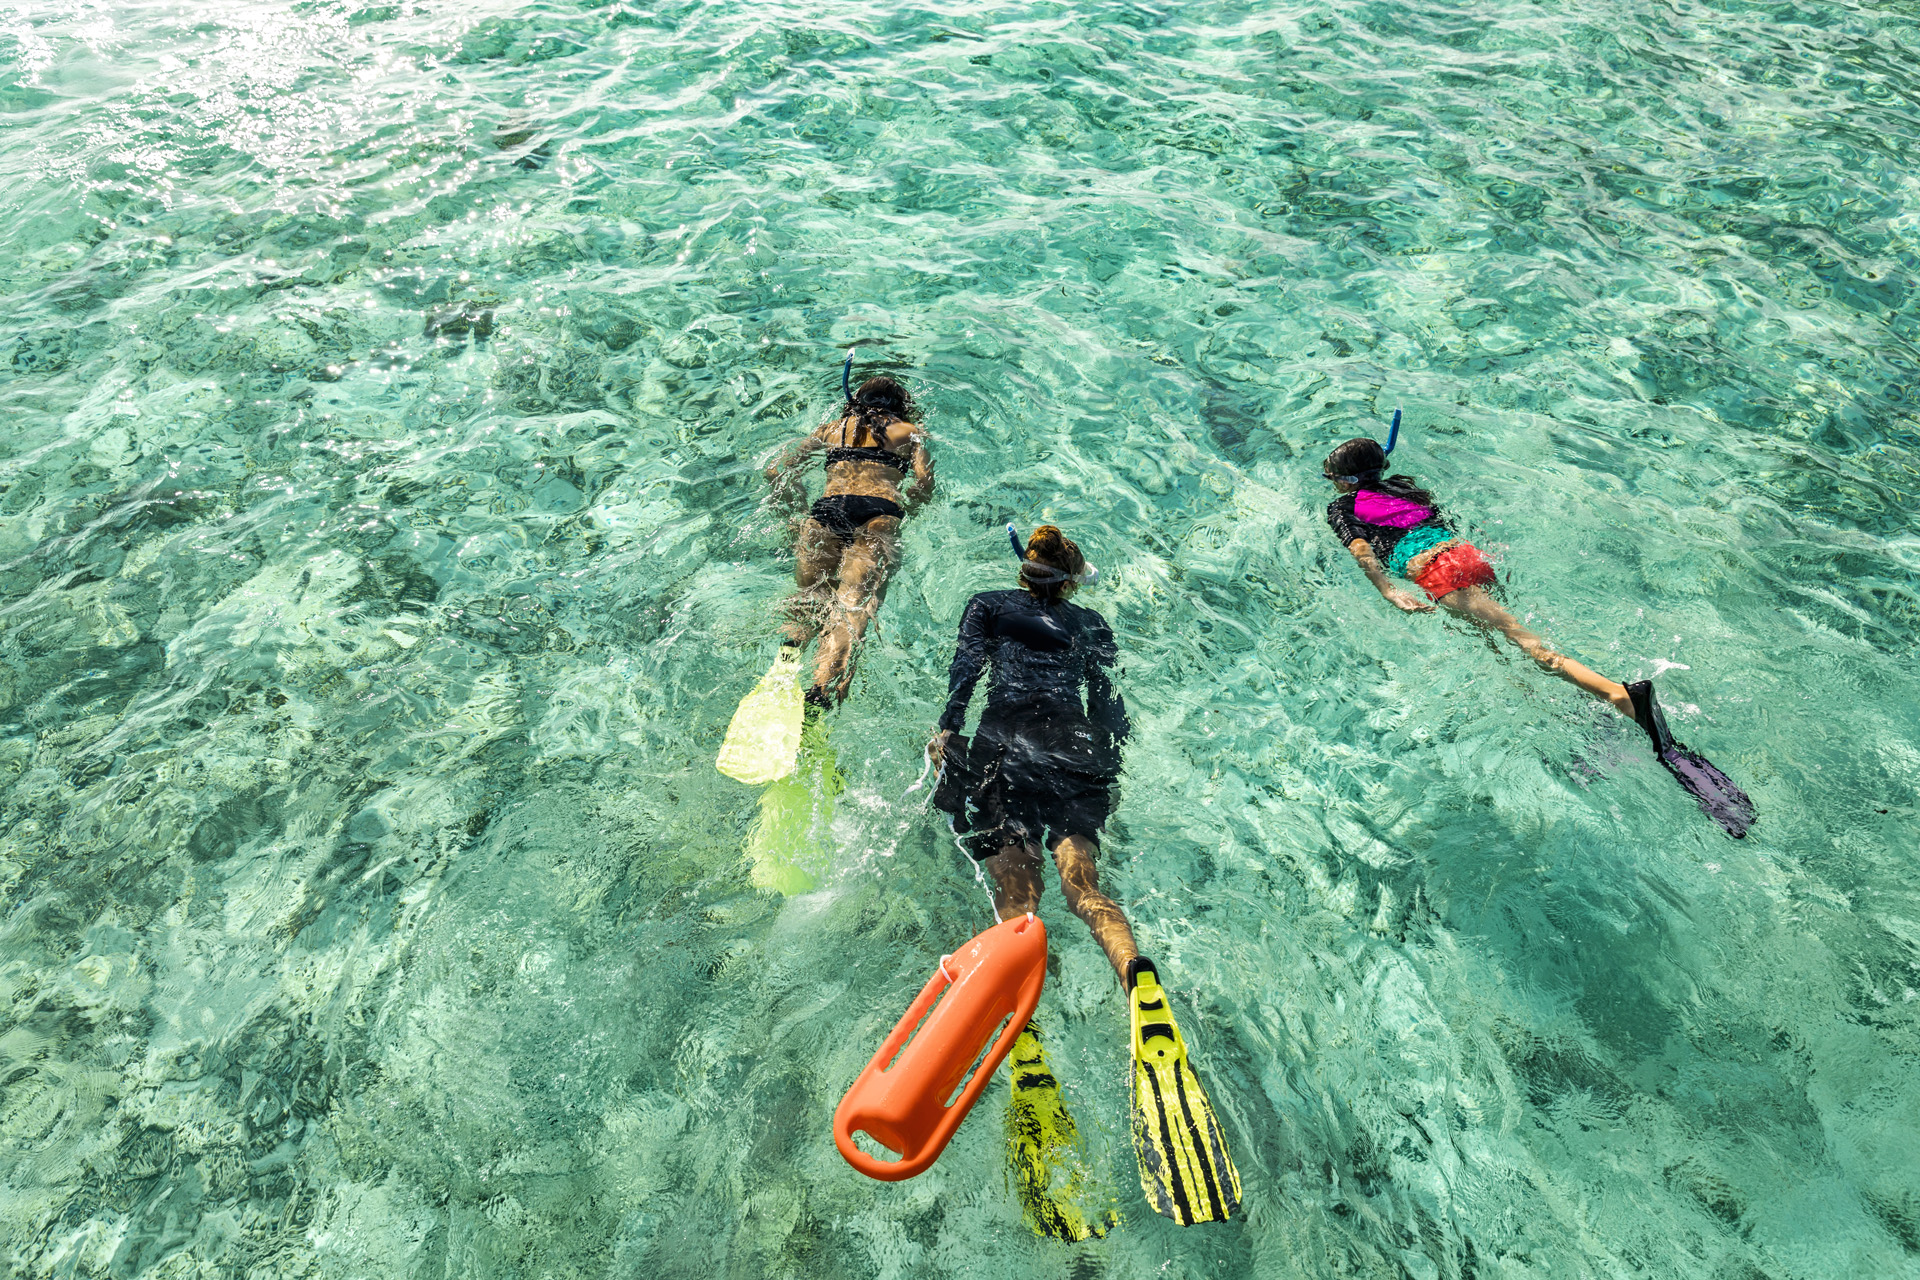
{"type": "Point", "coordinates": [781, 851]}
{"type": "Point", "coordinates": [790, 846]}
{"type": "Point", "coordinates": [1719, 798]}
{"type": "Point", "coordinates": [1184, 1167]}
{"type": "Point", "coordinates": [818, 761]}
{"type": "Point", "coordinates": [1043, 1148]}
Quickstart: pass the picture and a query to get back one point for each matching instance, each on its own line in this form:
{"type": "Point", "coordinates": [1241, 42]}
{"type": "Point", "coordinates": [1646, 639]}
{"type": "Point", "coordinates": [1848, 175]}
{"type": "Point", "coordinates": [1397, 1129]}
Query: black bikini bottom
{"type": "Point", "coordinates": [844, 513]}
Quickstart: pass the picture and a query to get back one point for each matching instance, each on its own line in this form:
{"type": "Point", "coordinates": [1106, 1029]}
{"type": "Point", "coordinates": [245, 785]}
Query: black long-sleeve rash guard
{"type": "Point", "coordinates": [1042, 654]}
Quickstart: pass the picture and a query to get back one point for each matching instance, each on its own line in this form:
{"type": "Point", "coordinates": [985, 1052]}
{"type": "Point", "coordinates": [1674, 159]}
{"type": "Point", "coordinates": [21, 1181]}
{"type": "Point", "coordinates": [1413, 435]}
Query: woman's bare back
{"type": "Point", "coordinates": [876, 479]}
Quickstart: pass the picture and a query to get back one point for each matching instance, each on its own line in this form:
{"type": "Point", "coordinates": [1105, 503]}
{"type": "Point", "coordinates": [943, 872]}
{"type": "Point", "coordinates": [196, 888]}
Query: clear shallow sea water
{"type": "Point", "coordinates": [383, 551]}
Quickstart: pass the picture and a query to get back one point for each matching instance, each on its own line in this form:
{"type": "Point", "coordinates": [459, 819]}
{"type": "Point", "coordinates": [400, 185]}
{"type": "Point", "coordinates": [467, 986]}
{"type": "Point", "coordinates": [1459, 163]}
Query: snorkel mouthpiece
{"type": "Point", "coordinates": [846, 382]}
{"type": "Point", "coordinates": [1393, 432]}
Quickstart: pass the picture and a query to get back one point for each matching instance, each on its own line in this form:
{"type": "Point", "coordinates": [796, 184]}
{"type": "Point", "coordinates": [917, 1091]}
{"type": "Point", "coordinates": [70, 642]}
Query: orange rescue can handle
{"type": "Point", "coordinates": [900, 1100]}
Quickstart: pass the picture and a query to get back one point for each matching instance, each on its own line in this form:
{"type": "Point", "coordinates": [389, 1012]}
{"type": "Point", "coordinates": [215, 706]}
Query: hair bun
{"type": "Point", "coordinates": [1054, 549]}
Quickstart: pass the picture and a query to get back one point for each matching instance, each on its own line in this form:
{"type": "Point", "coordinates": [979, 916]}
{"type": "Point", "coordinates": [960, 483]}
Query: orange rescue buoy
{"type": "Point", "coordinates": [905, 1099]}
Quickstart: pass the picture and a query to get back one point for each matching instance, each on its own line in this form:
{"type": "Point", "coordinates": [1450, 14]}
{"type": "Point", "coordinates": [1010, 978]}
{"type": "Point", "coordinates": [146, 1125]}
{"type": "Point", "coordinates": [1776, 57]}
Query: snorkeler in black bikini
{"type": "Point", "coordinates": [850, 542]}
{"type": "Point", "coordinates": [1390, 523]}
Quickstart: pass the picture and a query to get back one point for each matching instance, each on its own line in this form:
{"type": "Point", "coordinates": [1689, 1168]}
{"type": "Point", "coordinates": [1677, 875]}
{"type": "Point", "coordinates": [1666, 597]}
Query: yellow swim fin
{"type": "Point", "coordinates": [789, 844]}
{"type": "Point", "coordinates": [1043, 1149]}
{"type": "Point", "coordinates": [764, 737]}
{"type": "Point", "coordinates": [1184, 1167]}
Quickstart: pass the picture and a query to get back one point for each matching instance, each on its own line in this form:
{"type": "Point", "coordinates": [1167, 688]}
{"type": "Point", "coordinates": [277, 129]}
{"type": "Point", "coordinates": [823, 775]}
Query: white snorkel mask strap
{"type": "Point", "coordinates": [1046, 573]}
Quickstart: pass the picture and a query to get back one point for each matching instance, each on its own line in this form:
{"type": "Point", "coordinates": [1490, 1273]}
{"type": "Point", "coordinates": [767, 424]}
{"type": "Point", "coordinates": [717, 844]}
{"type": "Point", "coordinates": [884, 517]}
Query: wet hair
{"type": "Point", "coordinates": [1057, 559]}
{"type": "Point", "coordinates": [878, 401]}
{"type": "Point", "coordinates": [1364, 460]}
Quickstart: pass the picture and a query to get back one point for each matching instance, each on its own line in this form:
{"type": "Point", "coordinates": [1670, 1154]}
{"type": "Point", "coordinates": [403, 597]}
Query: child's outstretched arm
{"type": "Point", "coordinates": [1398, 597]}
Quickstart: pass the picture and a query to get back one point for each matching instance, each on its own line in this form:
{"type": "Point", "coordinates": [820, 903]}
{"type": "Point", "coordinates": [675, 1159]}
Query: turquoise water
{"type": "Point", "coordinates": [383, 551]}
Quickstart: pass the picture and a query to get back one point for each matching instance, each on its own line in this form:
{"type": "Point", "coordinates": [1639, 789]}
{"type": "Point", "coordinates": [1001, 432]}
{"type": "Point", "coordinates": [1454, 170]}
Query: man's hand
{"type": "Point", "coordinates": [937, 747]}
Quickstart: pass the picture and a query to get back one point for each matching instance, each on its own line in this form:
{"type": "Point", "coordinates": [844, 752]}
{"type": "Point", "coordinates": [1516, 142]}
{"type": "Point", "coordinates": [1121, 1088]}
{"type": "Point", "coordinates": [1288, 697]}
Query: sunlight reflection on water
{"type": "Point", "coordinates": [383, 550]}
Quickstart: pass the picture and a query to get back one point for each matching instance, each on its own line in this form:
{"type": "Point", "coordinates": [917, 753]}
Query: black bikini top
{"type": "Point", "coordinates": [867, 453]}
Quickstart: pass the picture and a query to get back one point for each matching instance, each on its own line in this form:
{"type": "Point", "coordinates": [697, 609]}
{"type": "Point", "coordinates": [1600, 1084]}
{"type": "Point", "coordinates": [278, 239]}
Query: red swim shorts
{"type": "Point", "coordinates": [1460, 565]}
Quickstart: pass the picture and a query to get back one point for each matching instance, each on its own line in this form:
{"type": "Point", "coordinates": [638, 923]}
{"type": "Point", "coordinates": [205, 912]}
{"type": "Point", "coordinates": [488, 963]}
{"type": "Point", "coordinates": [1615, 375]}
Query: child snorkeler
{"type": "Point", "coordinates": [1392, 525]}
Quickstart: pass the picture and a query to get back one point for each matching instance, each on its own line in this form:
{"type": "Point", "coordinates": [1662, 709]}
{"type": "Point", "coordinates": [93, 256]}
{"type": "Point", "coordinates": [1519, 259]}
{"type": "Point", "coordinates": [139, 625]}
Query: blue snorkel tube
{"type": "Point", "coordinates": [1393, 438]}
{"type": "Point", "coordinates": [846, 380]}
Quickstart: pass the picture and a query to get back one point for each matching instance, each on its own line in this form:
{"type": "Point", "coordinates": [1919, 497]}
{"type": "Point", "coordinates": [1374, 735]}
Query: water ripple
{"type": "Point", "coordinates": [383, 550]}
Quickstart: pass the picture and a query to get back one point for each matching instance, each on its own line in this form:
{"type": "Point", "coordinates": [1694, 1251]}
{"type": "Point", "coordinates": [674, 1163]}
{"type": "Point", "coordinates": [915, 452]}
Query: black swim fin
{"type": "Point", "coordinates": [1719, 798]}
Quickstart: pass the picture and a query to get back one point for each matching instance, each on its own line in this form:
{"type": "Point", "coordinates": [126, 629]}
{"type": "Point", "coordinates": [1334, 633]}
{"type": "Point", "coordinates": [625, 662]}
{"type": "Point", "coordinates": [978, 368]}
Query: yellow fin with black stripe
{"type": "Point", "coordinates": [1043, 1149]}
{"type": "Point", "coordinates": [1184, 1166]}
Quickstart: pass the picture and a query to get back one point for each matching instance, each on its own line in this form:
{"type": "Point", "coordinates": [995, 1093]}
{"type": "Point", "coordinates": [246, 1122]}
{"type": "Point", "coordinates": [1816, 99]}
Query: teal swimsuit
{"type": "Point", "coordinates": [1396, 536]}
{"type": "Point", "coordinates": [1424, 538]}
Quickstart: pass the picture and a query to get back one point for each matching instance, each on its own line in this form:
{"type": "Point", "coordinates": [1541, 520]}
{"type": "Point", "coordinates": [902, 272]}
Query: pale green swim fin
{"type": "Point", "coordinates": [788, 846]}
{"type": "Point", "coordinates": [764, 738]}
{"type": "Point", "coordinates": [1043, 1149]}
{"type": "Point", "coordinates": [1184, 1166]}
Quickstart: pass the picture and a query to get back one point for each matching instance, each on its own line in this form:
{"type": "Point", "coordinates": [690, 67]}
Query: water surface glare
{"type": "Point", "coordinates": [383, 549]}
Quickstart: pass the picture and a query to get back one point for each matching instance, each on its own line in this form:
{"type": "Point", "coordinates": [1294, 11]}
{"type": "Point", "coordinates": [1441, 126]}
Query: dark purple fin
{"type": "Point", "coordinates": [1719, 799]}
{"type": "Point", "coordinates": [1646, 714]}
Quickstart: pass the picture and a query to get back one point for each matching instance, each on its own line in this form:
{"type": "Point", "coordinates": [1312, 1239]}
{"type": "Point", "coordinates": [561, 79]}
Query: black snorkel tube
{"type": "Point", "coordinates": [846, 381]}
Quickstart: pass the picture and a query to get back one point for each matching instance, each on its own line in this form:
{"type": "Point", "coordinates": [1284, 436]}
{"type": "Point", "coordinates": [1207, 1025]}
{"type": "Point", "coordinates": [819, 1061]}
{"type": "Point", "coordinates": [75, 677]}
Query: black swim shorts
{"type": "Point", "coordinates": [1000, 796]}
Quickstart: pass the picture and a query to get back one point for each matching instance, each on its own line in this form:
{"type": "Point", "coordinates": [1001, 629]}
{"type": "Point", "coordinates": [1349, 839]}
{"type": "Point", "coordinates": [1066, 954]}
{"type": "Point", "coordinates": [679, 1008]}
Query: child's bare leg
{"type": "Point", "coordinates": [1474, 604]}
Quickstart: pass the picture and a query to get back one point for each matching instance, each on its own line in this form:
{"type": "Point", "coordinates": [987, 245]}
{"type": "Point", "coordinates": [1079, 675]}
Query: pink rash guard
{"type": "Point", "coordinates": [1385, 509]}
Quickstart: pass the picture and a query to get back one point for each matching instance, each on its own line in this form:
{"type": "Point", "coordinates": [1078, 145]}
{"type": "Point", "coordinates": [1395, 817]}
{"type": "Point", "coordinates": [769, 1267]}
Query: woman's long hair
{"type": "Point", "coordinates": [878, 401]}
{"type": "Point", "coordinates": [1364, 460]}
{"type": "Point", "coordinates": [1055, 561]}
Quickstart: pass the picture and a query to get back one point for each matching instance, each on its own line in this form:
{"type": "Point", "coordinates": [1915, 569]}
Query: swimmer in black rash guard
{"type": "Point", "coordinates": [1040, 769]}
{"type": "Point", "coordinates": [1039, 773]}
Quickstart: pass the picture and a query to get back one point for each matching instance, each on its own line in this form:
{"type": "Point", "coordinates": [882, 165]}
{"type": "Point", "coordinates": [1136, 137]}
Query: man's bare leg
{"type": "Point", "coordinates": [1015, 872]}
{"type": "Point", "coordinates": [1017, 885]}
{"type": "Point", "coordinates": [1080, 881]}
